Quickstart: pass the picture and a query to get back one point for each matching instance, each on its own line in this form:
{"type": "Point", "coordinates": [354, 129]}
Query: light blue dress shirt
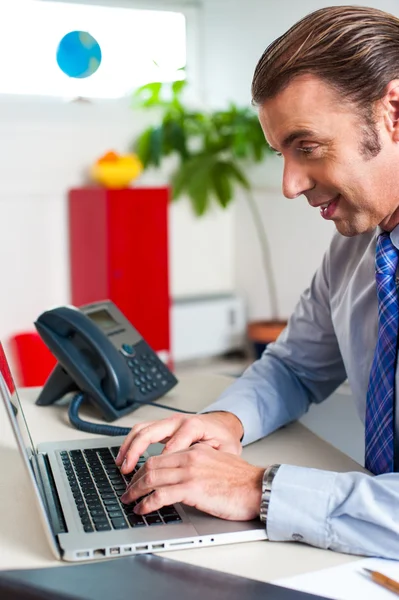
{"type": "Point", "coordinates": [331, 336]}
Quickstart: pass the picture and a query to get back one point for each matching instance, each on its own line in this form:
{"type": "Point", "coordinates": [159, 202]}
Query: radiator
{"type": "Point", "coordinates": [207, 326]}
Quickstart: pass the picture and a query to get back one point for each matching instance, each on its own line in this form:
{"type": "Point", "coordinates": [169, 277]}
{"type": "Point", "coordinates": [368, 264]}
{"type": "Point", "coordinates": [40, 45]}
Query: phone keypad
{"type": "Point", "coordinates": [151, 377]}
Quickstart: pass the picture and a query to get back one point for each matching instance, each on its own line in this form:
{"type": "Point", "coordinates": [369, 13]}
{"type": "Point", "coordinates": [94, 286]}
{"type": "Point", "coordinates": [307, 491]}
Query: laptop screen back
{"type": "Point", "coordinates": [10, 398]}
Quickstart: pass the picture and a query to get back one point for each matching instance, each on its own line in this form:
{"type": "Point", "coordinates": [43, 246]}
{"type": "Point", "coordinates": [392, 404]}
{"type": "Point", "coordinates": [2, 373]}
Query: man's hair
{"type": "Point", "coordinates": [354, 49]}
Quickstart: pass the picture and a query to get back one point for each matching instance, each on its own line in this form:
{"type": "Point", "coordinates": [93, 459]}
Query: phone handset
{"type": "Point", "coordinates": [87, 355]}
{"type": "Point", "coordinates": [103, 358]}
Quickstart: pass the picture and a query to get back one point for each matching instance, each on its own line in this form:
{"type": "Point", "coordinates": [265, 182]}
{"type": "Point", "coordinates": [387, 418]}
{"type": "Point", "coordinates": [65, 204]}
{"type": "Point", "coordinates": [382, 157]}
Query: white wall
{"type": "Point", "coordinates": [44, 150]}
{"type": "Point", "coordinates": [45, 147]}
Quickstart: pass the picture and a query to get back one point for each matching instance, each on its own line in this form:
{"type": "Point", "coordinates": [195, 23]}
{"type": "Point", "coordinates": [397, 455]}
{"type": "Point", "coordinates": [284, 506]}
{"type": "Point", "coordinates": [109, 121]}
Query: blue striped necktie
{"type": "Point", "coordinates": [381, 390]}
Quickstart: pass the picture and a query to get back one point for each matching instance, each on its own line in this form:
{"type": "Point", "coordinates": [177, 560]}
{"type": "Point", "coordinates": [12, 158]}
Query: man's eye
{"type": "Point", "coordinates": [279, 154]}
{"type": "Point", "coordinates": [307, 149]}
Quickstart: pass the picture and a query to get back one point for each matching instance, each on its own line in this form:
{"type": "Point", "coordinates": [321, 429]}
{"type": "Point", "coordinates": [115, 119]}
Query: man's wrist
{"type": "Point", "coordinates": [232, 420]}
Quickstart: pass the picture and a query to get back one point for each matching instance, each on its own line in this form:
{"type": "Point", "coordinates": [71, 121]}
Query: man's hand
{"type": "Point", "coordinates": [220, 430]}
{"type": "Point", "coordinates": [219, 483]}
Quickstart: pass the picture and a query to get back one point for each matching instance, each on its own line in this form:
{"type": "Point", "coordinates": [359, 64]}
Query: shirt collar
{"type": "Point", "coordinates": [395, 237]}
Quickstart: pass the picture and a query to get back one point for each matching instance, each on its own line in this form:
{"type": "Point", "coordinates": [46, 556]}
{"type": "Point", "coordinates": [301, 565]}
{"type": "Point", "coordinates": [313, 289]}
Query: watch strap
{"type": "Point", "coordinates": [267, 483]}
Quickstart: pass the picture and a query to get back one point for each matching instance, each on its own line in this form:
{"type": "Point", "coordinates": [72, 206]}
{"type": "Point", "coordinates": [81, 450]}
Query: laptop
{"type": "Point", "coordinates": [135, 577]}
{"type": "Point", "coordinates": [78, 487]}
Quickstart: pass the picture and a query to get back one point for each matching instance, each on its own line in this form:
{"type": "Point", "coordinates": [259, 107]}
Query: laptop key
{"type": "Point", "coordinates": [172, 518]}
{"type": "Point", "coordinates": [108, 498]}
{"type": "Point", "coordinates": [119, 523]}
{"type": "Point", "coordinates": [116, 478]}
{"type": "Point", "coordinates": [76, 453]}
{"type": "Point", "coordinates": [104, 488]}
{"type": "Point", "coordinates": [115, 514]}
{"type": "Point", "coordinates": [85, 518]}
{"type": "Point", "coordinates": [128, 509]}
{"type": "Point", "coordinates": [136, 521]}
{"type": "Point", "coordinates": [111, 501]}
{"type": "Point", "coordinates": [88, 487]}
{"type": "Point", "coordinates": [102, 526]}
{"type": "Point", "coordinates": [84, 477]}
{"type": "Point", "coordinates": [95, 506]}
{"type": "Point", "coordinates": [92, 495]}
{"type": "Point", "coordinates": [95, 513]}
{"type": "Point", "coordinates": [168, 510]}
{"type": "Point", "coordinates": [153, 520]}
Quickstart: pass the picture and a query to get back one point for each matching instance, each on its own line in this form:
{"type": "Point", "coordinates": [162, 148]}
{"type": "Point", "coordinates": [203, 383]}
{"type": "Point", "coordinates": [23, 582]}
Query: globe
{"type": "Point", "coordinates": [78, 54]}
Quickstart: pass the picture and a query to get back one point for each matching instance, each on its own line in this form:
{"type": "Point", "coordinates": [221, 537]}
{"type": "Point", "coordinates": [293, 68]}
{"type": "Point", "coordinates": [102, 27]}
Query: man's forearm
{"type": "Point", "coordinates": [266, 397]}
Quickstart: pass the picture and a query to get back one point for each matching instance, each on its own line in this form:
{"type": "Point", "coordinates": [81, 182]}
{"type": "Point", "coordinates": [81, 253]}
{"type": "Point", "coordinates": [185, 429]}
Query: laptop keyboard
{"type": "Point", "coordinates": [97, 485]}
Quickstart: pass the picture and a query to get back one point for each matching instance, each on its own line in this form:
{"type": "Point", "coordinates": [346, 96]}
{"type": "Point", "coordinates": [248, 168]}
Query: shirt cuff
{"type": "Point", "coordinates": [299, 506]}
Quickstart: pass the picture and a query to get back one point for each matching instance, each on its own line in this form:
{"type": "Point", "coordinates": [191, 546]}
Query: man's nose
{"type": "Point", "coordinates": [296, 181]}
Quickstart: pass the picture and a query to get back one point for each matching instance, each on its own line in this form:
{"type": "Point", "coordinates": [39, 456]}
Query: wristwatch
{"type": "Point", "coordinates": [267, 483]}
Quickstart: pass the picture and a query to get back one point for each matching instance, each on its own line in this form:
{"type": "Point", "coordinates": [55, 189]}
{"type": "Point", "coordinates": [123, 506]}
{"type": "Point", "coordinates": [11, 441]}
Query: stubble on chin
{"type": "Point", "coordinates": [354, 227]}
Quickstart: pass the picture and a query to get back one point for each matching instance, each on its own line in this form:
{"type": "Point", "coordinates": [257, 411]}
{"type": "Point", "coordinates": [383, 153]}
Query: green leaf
{"type": "Point", "coordinates": [156, 138]}
{"type": "Point", "coordinates": [182, 176]}
{"type": "Point", "coordinates": [142, 147]}
{"type": "Point", "coordinates": [222, 184]}
{"type": "Point", "coordinates": [240, 143]}
{"type": "Point", "coordinates": [148, 95]}
{"type": "Point", "coordinates": [174, 139]}
{"type": "Point", "coordinates": [178, 86]}
{"type": "Point", "coordinates": [194, 178]}
{"type": "Point", "coordinates": [179, 183]}
{"type": "Point", "coordinates": [236, 173]}
{"type": "Point", "coordinates": [199, 194]}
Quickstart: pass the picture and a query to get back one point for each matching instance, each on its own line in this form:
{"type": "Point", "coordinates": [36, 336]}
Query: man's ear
{"type": "Point", "coordinates": [390, 109]}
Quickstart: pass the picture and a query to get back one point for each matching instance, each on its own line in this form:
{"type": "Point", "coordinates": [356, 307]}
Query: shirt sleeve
{"type": "Point", "coordinates": [346, 512]}
{"type": "Point", "coordinates": [303, 366]}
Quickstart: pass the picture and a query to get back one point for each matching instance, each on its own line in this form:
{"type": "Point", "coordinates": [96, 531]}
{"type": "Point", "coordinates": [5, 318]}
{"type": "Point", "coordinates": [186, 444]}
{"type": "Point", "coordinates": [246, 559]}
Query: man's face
{"type": "Point", "coordinates": [321, 138]}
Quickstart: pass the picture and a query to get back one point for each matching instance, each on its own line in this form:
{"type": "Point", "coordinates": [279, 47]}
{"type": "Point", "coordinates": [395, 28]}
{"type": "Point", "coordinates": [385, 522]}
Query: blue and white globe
{"type": "Point", "coordinates": [78, 54]}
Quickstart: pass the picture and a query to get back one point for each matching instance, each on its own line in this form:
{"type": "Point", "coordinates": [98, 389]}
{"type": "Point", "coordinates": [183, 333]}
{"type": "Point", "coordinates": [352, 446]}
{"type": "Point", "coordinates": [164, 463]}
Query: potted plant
{"type": "Point", "coordinates": [211, 147]}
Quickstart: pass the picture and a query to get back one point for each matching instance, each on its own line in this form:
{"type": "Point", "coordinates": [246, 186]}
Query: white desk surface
{"type": "Point", "coordinates": [22, 540]}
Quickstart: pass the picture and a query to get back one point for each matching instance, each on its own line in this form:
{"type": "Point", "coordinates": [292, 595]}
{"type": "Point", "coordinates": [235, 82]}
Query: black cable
{"type": "Point", "coordinates": [88, 427]}
{"type": "Point", "coordinates": [77, 422]}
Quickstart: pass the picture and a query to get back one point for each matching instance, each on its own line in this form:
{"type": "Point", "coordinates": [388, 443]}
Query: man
{"type": "Point", "coordinates": [328, 97]}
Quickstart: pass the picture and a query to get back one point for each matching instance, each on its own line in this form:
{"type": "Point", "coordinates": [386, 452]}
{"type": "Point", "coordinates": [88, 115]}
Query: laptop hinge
{"type": "Point", "coordinates": [46, 484]}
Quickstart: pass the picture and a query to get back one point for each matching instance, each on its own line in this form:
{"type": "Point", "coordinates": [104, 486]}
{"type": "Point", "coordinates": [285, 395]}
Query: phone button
{"type": "Point", "coordinates": [128, 350]}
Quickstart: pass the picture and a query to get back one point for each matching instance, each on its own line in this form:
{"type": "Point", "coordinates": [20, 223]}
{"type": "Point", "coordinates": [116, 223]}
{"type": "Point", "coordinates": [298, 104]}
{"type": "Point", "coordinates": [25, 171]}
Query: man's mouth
{"type": "Point", "coordinates": [328, 208]}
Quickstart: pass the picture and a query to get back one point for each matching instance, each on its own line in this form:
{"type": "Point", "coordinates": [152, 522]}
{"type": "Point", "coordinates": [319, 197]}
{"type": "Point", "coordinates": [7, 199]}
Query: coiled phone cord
{"type": "Point", "coordinates": [88, 427]}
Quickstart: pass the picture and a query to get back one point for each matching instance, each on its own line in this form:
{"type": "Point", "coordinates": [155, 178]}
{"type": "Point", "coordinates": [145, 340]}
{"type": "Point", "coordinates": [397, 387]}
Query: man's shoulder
{"type": "Point", "coordinates": [351, 256]}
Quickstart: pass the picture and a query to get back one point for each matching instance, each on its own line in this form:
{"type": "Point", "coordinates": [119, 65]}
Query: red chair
{"type": "Point", "coordinates": [33, 360]}
{"type": "Point", "coordinates": [5, 370]}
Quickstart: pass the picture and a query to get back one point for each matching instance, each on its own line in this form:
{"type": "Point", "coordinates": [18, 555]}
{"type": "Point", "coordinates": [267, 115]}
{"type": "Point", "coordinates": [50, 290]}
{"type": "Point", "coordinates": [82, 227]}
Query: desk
{"type": "Point", "coordinates": [22, 540]}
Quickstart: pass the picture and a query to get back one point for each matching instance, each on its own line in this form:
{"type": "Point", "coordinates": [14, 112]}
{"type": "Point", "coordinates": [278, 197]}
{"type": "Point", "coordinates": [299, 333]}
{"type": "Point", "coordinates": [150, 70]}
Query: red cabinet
{"type": "Point", "coordinates": [118, 242]}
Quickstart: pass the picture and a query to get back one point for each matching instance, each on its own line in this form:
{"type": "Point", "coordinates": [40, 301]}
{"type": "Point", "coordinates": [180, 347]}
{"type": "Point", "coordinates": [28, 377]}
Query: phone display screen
{"type": "Point", "coordinates": [102, 318]}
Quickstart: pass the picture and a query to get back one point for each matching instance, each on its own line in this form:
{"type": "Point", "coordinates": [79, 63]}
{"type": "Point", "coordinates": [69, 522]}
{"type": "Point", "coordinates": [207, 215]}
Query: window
{"type": "Point", "coordinates": [138, 46]}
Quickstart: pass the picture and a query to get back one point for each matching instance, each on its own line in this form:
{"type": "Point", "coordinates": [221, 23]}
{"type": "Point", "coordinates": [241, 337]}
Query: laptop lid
{"type": "Point", "coordinates": [15, 413]}
{"type": "Point", "coordinates": [146, 576]}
